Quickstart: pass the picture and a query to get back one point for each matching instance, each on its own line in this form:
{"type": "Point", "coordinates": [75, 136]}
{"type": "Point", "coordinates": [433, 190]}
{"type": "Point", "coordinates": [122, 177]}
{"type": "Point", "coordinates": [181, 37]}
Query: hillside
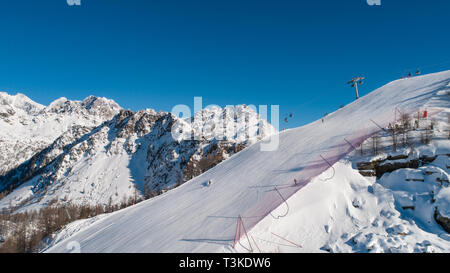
{"type": "Point", "coordinates": [322, 206]}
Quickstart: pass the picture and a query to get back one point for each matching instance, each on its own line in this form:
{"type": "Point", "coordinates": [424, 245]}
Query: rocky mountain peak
{"type": "Point", "coordinates": [132, 150]}
{"type": "Point", "coordinates": [11, 104]}
{"type": "Point", "coordinates": [27, 127]}
{"type": "Point", "coordinates": [91, 105]}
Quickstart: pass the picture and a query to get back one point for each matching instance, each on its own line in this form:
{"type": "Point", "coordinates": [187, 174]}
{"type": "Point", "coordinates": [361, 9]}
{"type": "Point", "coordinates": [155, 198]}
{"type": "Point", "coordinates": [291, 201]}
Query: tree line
{"type": "Point", "coordinates": [29, 231]}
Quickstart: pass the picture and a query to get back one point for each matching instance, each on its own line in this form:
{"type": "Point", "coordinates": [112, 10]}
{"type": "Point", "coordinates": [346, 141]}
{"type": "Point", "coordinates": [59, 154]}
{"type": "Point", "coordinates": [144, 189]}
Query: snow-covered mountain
{"type": "Point", "coordinates": [128, 155]}
{"type": "Point", "coordinates": [308, 195]}
{"type": "Point", "coordinates": [27, 127]}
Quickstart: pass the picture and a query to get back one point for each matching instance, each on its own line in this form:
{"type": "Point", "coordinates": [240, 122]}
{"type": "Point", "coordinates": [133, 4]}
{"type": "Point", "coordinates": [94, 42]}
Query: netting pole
{"type": "Point", "coordinates": [246, 235]}
{"type": "Point", "coordinates": [256, 244]}
{"type": "Point", "coordinates": [378, 125]}
{"type": "Point", "coordinates": [237, 237]}
{"type": "Point", "coordinates": [350, 143]}
{"type": "Point", "coordinates": [237, 234]}
{"type": "Point", "coordinates": [285, 201]}
{"type": "Point", "coordinates": [297, 245]}
{"type": "Point", "coordinates": [331, 166]}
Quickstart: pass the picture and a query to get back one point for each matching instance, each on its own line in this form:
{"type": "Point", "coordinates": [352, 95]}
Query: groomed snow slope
{"type": "Point", "coordinates": [197, 218]}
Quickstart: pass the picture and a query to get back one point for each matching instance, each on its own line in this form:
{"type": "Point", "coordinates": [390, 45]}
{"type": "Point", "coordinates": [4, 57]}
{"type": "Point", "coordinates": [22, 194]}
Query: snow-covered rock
{"type": "Point", "coordinates": [27, 127]}
{"type": "Point", "coordinates": [133, 154]}
{"type": "Point", "coordinates": [443, 202]}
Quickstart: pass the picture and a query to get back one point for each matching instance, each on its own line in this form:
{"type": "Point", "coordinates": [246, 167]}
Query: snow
{"type": "Point", "coordinates": [340, 212]}
{"type": "Point", "coordinates": [27, 127]}
{"type": "Point", "coordinates": [348, 213]}
{"type": "Point", "coordinates": [19, 195]}
{"type": "Point", "coordinates": [19, 101]}
{"type": "Point", "coordinates": [443, 202]}
{"type": "Point", "coordinates": [414, 199]}
{"type": "Point", "coordinates": [73, 228]}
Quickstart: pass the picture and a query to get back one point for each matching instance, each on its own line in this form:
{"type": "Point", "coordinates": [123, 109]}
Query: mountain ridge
{"type": "Point", "coordinates": [134, 143]}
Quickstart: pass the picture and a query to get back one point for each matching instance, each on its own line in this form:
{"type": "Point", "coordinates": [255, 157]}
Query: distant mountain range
{"type": "Point", "coordinates": [94, 152]}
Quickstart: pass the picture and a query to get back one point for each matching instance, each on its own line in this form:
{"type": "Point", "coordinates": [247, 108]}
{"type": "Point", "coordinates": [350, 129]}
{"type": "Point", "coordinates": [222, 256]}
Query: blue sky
{"type": "Point", "coordinates": [156, 54]}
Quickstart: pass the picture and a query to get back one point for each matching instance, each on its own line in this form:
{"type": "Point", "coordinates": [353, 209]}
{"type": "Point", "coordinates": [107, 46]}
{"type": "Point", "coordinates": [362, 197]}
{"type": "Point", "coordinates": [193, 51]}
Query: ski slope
{"type": "Point", "coordinates": [199, 218]}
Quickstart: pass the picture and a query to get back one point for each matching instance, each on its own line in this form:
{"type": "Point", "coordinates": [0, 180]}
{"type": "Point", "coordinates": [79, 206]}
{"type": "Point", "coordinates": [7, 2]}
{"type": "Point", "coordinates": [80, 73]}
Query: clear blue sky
{"type": "Point", "coordinates": [159, 53]}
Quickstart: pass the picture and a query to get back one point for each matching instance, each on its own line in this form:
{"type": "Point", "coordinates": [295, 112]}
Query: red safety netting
{"type": "Point", "coordinates": [278, 195]}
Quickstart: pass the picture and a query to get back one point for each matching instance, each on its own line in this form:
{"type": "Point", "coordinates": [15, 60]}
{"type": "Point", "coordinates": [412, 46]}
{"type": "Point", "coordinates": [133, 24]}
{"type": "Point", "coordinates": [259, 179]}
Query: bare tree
{"type": "Point", "coordinates": [405, 120]}
{"type": "Point", "coordinates": [427, 134]}
{"type": "Point", "coordinates": [148, 193]}
{"type": "Point", "coordinates": [376, 145]}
